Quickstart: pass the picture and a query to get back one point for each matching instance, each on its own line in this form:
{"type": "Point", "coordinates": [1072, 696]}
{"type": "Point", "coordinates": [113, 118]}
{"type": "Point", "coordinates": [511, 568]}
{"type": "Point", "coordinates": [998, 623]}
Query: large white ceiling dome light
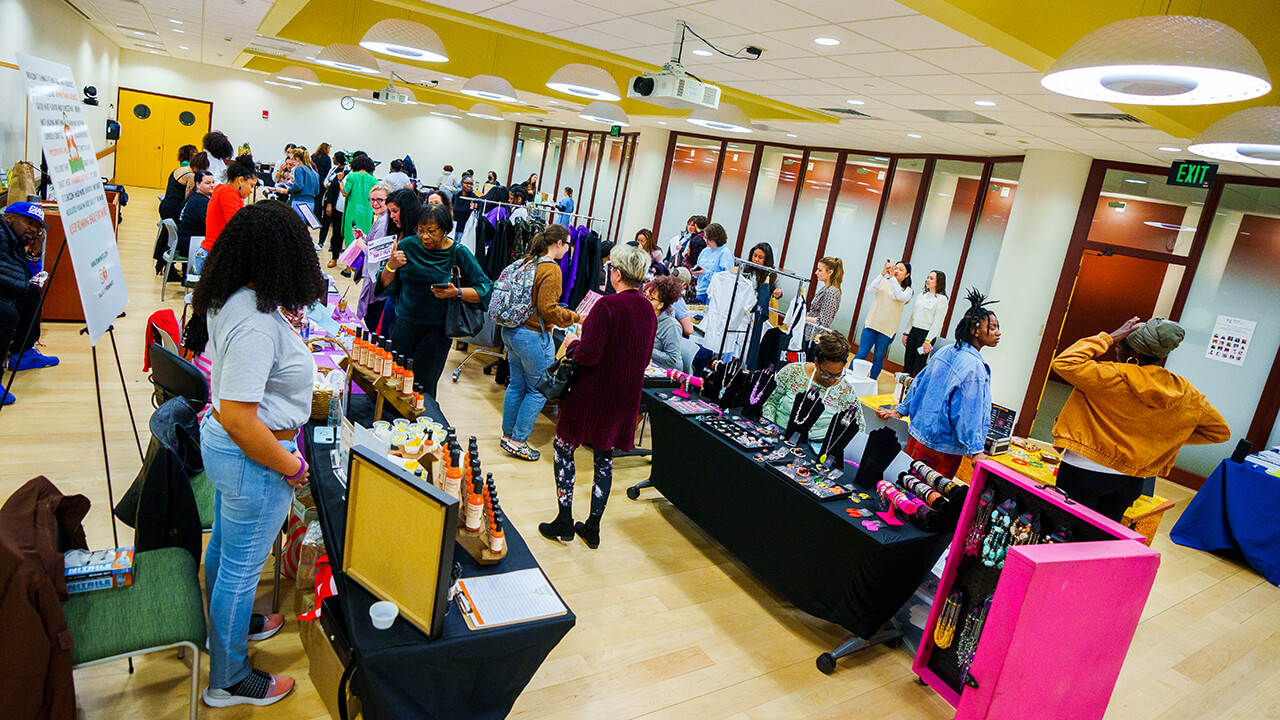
{"type": "Point", "coordinates": [302, 75]}
{"type": "Point", "coordinates": [489, 87]}
{"type": "Point", "coordinates": [605, 114]}
{"type": "Point", "coordinates": [485, 111]}
{"type": "Point", "coordinates": [1161, 60]}
{"type": "Point", "coordinates": [1248, 136]}
{"type": "Point", "coordinates": [587, 81]}
{"type": "Point", "coordinates": [726, 118]}
{"type": "Point", "coordinates": [349, 57]}
{"type": "Point", "coordinates": [405, 39]}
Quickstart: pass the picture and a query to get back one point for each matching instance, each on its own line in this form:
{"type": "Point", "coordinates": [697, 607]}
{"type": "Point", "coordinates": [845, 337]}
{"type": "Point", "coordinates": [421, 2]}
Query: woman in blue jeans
{"type": "Point", "coordinates": [262, 269]}
{"type": "Point", "coordinates": [530, 349]}
{"type": "Point", "coordinates": [890, 293]}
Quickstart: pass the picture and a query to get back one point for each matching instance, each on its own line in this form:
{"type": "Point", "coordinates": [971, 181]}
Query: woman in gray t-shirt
{"type": "Point", "coordinates": [262, 266]}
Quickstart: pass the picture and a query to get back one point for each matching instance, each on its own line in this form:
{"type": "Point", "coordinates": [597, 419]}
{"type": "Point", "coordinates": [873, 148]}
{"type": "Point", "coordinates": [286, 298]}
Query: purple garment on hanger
{"type": "Point", "coordinates": [497, 215]}
{"type": "Point", "coordinates": [569, 263]}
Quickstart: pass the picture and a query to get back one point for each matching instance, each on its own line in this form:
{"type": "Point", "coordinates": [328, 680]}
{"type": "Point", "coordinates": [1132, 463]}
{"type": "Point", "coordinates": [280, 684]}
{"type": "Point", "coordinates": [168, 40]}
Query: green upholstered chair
{"type": "Point", "coordinates": [163, 608]}
{"type": "Point", "coordinates": [204, 491]}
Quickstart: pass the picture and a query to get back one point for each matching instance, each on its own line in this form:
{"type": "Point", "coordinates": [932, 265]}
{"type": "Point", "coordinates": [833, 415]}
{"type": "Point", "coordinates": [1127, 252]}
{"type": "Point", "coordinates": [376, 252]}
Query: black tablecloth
{"type": "Point", "coordinates": [813, 554]}
{"type": "Point", "coordinates": [461, 674]}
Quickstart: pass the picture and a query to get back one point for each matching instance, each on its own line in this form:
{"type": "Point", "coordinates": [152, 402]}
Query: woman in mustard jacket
{"type": "Point", "coordinates": [1126, 420]}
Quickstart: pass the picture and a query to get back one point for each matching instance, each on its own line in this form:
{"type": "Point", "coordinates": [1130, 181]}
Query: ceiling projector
{"type": "Point", "coordinates": [389, 95]}
{"type": "Point", "coordinates": [672, 87]}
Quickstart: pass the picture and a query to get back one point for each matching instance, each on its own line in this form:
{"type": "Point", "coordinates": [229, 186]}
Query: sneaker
{"type": "Point", "coordinates": [262, 627]}
{"type": "Point", "coordinates": [522, 451]}
{"type": "Point", "coordinates": [31, 359]}
{"type": "Point", "coordinates": [258, 688]}
{"type": "Point", "coordinates": [9, 398]}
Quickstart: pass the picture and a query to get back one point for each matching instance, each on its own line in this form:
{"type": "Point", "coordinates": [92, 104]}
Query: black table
{"type": "Point", "coordinates": [400, 673]}
{"type": "Point", "coordinates": [813, 554]}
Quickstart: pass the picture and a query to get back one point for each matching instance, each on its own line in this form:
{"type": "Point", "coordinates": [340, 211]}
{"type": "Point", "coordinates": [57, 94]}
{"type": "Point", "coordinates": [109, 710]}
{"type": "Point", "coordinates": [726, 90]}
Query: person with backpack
{"type": "Point", "coordinates": [526, 305]}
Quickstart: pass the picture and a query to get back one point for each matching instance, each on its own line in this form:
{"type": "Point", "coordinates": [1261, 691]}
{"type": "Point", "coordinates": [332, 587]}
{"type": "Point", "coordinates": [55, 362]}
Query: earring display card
{"type": "Point", "coordinates": [1015, 586]}
{"type": "Point", "coordinates": [689, 406]}
{"type": "Point", "coordinates": [818, 482]}
{"type": "Point", "coordinates": [740, 432]}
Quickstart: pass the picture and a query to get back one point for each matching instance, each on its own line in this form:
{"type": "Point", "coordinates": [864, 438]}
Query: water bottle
{"type": "Point", "coordinates": [335, 410]}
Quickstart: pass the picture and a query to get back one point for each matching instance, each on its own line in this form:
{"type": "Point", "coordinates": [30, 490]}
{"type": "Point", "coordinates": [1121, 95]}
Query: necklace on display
{"type": "Point", "coordinates": [759, 390]}
{"type": "Point", "coordinates": [839, 433]}
{"type": "Point", "coordinates": [807, 402]}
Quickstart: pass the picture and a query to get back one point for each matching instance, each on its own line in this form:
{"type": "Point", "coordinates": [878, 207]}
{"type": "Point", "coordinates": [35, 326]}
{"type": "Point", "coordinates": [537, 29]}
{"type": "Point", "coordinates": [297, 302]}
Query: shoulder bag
{"type": "Point", "coordinates": [555, 380]}
{"type": "Point", "coordinates": [462, 319]}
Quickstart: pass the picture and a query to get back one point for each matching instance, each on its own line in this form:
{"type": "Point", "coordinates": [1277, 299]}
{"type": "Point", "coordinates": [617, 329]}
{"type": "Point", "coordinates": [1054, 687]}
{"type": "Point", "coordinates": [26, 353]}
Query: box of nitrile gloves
{"type": "Point", "coordinates": [101, 570]}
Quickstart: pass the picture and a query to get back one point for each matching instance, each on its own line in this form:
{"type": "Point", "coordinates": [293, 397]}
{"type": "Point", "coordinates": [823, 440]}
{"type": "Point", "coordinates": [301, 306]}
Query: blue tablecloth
{"type": "Point", "coordinates": [1238, 508]}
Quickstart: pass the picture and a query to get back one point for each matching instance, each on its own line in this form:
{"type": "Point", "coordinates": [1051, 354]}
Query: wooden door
{"type": "Point", "coordinates": [152, 128]}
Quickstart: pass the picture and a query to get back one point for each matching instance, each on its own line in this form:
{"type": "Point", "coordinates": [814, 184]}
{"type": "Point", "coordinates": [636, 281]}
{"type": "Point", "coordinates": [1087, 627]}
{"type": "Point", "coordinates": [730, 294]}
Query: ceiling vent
{"type": "Point", "coordinates": [138, 30]}
{"type": "Point", "coordinates": [273, 46]}
{"type": "Point", "coordinates": [1101, 120]}
{"type": "Point", "coordinates": [82, 13]}
{"type": "Point", "coordinates": [962, 117]}
{"type": "Point", "coordinates": [846, 113]}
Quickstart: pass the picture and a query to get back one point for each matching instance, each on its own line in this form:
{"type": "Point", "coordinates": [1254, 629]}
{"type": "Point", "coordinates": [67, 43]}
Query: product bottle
{"type": "Point", "coordinates": [407, 385]}
{"type": "Point", "coordinates": [357, 342]}
{"type": "Point", "coordinates": [419, 403]}
{"type": "Point", "coordinates": [397, 382]}
{"type": "Point", "coordinates": [496, 539]}
{"type": "Point", "coordinates": [475, 508]}
{"type": "Point", "coordinates": [363, 357]}
{"type": "Point", "coordinates": [388, 362]}
{"type": "Point", "coordinates": [453, 476]}
{"type": "Point", "coordinates": [375, 363]}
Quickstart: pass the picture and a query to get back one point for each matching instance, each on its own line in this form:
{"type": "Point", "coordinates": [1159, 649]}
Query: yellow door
{"type": "Point", "coordinates": [141, 145]}
{"type": "Point", "coordinates": [185, 123]}
{"type": "Point", "coordinates": [152, 128]}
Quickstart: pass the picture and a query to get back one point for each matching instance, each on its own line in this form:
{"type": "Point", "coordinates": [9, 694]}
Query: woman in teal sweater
{"type": "Point", "coordinates": [419, 277]}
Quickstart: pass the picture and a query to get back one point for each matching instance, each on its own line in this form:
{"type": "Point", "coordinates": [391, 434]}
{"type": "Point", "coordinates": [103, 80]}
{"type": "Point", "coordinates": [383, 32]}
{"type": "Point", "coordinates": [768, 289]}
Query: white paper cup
{"type": "Point", "coordinates": [383, 614]}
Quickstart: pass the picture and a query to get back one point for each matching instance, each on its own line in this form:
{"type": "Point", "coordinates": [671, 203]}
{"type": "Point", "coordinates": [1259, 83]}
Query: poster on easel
{"type": "Point", "coordinates": [1230, 340]}
{"type": "Point", "coordinates": [77, 188]}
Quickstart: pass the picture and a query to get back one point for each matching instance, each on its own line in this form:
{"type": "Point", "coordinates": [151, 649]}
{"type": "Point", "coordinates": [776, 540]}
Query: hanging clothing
{"type": "Point", "coordinates": [795, 322]}
{"type": "Point", "coordinates": [727, 308]}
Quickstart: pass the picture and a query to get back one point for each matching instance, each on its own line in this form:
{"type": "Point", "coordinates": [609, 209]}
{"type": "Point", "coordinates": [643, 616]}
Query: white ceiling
{"type": "Point", "coordinates": [891, 58]}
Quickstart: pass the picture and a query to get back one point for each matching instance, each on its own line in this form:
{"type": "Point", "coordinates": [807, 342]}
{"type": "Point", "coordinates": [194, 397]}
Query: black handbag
{"type": "Point", "coordinates": [556, 379]}
{"type": "Point", "coordinates": [462, 319]}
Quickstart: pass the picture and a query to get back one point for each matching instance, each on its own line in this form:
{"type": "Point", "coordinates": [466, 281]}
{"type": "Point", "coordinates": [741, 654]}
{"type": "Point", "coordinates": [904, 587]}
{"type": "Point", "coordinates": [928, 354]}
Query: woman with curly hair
{"type": "Point", "coordinates": [662, 293]}
{"type": "Point", "coordinates": [949, 403]}
{"type": "Point", "coordinates": [262, 268]}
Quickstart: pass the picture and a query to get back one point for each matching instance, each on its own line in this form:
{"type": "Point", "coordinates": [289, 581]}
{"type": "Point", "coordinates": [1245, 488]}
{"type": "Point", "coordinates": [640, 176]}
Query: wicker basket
{"type": "Point", "coordinates": [320, 399]}
{"type": "Point", "coordinates": [1145, 514]}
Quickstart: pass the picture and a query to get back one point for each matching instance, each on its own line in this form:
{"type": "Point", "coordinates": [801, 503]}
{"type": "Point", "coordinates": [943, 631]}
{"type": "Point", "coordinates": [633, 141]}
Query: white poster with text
{"type": "Point", "coordinates": [1230, 340]}
{"type": "Point", "coordinates": [77, 188]}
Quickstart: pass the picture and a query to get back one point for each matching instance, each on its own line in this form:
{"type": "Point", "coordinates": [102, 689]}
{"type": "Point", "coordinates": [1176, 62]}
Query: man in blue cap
{"type": "Point", "coordinates": [21, 248]}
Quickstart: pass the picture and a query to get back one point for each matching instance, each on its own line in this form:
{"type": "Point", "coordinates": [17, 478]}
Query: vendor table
{"type": "Point", "coordinates": [400, 673]}
{"type": "Point", "coordinates": [1237, 508]}
{"type": "Point", "coordinates": [813, 554]}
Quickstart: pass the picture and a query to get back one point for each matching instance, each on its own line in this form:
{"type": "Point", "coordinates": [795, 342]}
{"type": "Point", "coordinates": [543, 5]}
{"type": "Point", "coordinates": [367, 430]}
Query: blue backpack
{"type": "Point", "coordinates": [511, 303]}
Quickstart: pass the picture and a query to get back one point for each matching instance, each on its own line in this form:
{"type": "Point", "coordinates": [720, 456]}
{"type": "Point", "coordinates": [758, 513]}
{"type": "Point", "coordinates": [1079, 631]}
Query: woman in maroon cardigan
{"type": "Point", "coordinates": [602, 404]}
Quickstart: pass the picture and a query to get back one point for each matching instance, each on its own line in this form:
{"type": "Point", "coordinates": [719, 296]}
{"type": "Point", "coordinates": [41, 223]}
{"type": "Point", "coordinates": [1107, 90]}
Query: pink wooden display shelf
{"type": "Point", "coordinates": [1061, 618]}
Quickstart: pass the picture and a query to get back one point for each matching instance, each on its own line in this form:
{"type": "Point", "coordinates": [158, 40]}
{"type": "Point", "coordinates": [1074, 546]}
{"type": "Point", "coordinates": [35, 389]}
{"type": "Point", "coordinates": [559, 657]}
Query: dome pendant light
{"type": "Point", "coordinates": [296, 74]}
{"type": "Point", "coordinates": [605, 114]}
{"type": "Point", "coordinates": [485, 111]}
{"type": "Point", "coordinates": [446, 111]}
{"type": "Point", "coordinates": [585, 81]}
{"type": "Point", "coordinates": [1251, 135]}
{"type": "Point", "coordinates": [349, 57]}
{"type": "Point", "coordinates": [405, 39]}
{"type": "Point", "coordinates": [726, 118]}
{"type": "Point", "coordinates": [489, 87]}
{"type": "Point", "coordinates": [1161, 60]}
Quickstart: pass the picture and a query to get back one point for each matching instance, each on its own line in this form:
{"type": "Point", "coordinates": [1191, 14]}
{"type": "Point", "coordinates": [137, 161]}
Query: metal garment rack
{"type": "Point", "coordinates": [734, 295]}
{"type": "Point", "coordinates": [539, 207]}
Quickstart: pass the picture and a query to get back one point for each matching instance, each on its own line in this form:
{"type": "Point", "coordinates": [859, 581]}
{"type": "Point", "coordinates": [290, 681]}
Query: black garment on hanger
{"type": "Point", "coordinates": [759, 314]}
{"type": "Point", "coordinates": [771, 347]}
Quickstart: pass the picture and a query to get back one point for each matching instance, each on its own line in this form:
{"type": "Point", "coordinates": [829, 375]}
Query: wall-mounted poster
{"type": "Point", "coordinates": [1230, 340]}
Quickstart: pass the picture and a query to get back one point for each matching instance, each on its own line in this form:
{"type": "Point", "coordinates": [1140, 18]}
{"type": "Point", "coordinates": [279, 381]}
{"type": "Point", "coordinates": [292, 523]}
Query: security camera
{"type": "Point", "coordinates": [90, 95]}
{"type": "Point", "coordinates": [753, 51]}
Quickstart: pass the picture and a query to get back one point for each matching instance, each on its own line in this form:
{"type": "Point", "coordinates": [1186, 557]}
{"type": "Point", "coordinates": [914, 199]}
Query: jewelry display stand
{"type": "Point", "coordinates": [762, 386]}
{"type": "Point", "coordinates": [1019, 617]}
{"type": "Point", "coordinates": [805, 411]}
{"type": "Point", "coordinates": [841, 431]}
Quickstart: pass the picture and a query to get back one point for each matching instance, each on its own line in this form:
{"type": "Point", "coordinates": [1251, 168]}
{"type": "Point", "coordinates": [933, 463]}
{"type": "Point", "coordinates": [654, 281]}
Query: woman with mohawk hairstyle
{"type": "Point", "coordinates": [950, 402]}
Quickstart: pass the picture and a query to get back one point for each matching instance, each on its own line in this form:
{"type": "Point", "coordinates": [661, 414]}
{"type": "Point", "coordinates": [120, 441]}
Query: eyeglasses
{"type": "Point", "coordinates": [377, 201]}
{"type": "Point", "coordinates": [830, 376]}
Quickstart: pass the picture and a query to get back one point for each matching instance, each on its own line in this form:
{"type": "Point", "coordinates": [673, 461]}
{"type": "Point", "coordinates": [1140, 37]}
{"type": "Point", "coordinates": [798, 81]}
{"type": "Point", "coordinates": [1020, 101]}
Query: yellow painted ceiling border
{"type": "Point", "coordinates": [1038, 32]}
{"type": "Point", "coordinates": [320, 22]}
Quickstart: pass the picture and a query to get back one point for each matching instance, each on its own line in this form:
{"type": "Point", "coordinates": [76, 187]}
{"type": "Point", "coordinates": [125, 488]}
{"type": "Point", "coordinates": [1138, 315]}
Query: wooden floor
{"type": "Point", "coordinates": [669, 626]}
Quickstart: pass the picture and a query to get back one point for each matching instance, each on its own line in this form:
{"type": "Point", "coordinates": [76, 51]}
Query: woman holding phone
{"type": "Point", "coordinates": [419, 276]}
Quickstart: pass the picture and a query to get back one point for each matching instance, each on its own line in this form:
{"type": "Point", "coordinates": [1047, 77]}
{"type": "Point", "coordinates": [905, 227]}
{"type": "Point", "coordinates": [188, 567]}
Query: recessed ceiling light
{"type": "Point", "coordinates": [280, 84]}
{"type": "Point", "coordinates": [984, 103]}
{"type": "Point", "coordinates": [1135, 181]}
{"type": "Point", "coordinates": [914, 135]}
{"type": "Point", "coordinates": [552, 102]}
{"type": "Point", "coordinates": [662, 122]}
{"type": "Point", "coordinates": [1166, 148]}
{"type": "Point", "coordinates": [154, 52]}
{"type": "Point", "coordinates": [175, 22]}
{"type": "Point", "coordinates": [178, 31]}
{"type": "Point", "coordinates": [792, 135]}
{"type": "Point", "coordinates": [183, 47]}
{"type": "Point", "coordinates": [826, 41]}
{"type": "Point", "coordinates": [856, 102]}
{"type": "Point", "coordinates": [135, 32]}
{"type": "Point", "coordinates": [702, 53]}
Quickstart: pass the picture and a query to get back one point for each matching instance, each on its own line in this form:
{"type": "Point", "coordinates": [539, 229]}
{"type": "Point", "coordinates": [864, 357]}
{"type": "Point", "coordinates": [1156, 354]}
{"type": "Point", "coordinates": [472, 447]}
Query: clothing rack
{"type": "Point", "coordinates": [538, 206]}
{"type": "Point", "coordinates": [734, 296]}
{"type": "Point", "coordinates": [824, 328]}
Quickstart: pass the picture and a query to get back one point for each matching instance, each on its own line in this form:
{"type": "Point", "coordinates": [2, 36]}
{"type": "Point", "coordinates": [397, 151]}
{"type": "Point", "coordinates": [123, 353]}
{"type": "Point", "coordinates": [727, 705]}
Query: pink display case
{"type": "Point", "coordinates": [1061, 616]}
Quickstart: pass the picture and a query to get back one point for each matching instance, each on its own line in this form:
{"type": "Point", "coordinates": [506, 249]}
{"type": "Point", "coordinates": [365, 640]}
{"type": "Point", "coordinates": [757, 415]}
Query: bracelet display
{"type": "Point", "coordinates": [298, 474]}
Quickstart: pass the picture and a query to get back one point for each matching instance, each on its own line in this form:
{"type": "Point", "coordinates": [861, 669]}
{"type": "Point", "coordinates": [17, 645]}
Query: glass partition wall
{"type": "Point", "coordinates": [809, 203]}
{"type": "Point", "coordinates": [593, 163]}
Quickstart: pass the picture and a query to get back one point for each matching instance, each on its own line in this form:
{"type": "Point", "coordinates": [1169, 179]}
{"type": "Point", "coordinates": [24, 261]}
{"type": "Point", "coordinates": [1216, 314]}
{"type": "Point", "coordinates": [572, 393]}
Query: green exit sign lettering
{"type": "Point", "coordinates": [1192, 173]}
{"type": "Point", "coordinates": [615, 131]}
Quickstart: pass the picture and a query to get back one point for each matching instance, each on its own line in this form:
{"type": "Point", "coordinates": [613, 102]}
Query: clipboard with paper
{"type": "Point", "coordinates": [509, 598]}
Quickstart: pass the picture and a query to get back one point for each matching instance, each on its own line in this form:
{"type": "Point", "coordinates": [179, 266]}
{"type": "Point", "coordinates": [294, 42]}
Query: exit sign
{"type": "Point", "coordinates": [615, 131]}
{"type": "Point", "coordinates": [1192, 173]}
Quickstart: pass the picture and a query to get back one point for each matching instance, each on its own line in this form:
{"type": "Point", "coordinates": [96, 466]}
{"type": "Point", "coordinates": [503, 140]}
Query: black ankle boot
{"type": "Point", "coordinates": [559, 529]}
{"type": "Point", "coordinates": [589, 531]}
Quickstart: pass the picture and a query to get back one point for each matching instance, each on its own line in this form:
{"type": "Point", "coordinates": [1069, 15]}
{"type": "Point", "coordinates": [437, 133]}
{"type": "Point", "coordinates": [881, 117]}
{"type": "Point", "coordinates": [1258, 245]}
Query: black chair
{"type": "Point", "coordinates": [174, 377]}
